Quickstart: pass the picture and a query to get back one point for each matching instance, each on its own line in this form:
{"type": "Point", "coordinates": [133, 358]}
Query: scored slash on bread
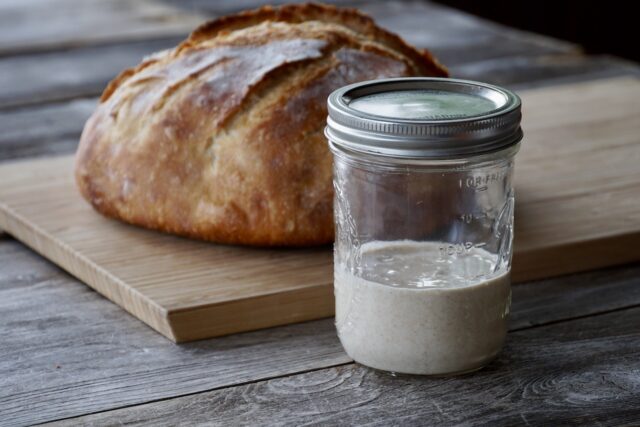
{"type": "Point", "coordinates": [222, 139]}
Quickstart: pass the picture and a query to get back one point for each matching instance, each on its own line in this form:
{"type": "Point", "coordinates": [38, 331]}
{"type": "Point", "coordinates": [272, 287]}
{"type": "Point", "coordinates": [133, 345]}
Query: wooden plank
{"type": "Point", "coordinates": [525, 71]}
{"type": "Point", "coordinates": [576, 210]}
{"type": "Point", "coordinates": [37, 25]}
{"type": "Point", "coordinates": [55, 76]}
{"type": "Point", "coordinates": [44, 130]}
{"type": "Point", "coordinates": [583, 371]}
{"type": "Point", "coordinates": [64, 352]}
{"type": "Point", "coordinates": [456, 39]}
{"type": "Point", "coordinates": [573, 296]}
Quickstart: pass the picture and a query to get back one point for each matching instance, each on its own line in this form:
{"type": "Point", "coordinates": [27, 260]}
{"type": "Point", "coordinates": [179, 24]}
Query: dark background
{"type": "Point", "coordinates": [601, 27]}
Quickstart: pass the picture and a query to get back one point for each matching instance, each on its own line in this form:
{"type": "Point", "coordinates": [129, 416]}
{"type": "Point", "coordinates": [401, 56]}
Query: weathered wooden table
{"type": "Point", "coordinates": [69, 356]}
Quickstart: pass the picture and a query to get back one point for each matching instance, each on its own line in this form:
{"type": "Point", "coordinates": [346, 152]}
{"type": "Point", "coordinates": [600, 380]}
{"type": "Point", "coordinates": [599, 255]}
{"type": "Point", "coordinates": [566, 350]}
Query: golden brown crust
{"type": "Point", "coordinates": [296, 13]}
{"type": "Point", "coordinates": [221, 138]}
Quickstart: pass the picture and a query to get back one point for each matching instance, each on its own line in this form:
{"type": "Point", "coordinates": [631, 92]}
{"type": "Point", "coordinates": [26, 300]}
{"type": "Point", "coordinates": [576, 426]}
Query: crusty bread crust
{"type": "Point", "coordinates": [221, 138]}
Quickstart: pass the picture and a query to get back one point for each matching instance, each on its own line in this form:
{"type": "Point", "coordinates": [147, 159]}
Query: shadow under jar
{"type": "Point", "coordinates": [424, 221]}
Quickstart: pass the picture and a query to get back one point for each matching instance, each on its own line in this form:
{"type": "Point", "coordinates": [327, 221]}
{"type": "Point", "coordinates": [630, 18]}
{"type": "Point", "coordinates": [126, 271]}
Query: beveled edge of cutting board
{"type": "Point", "coordinates": [249, 313]}
{"type": "Point", "coordinates": [181, 325]}
{"type": "Point", "coordinates": [575, 257]}
{"type": "Point", "coordinates": [84, 269]}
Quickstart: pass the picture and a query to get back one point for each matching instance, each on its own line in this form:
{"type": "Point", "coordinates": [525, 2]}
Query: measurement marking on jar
{"type": "Point", "coordinates": [468, 218]}
{"type": "Point", "coordinates": [480, 182]}
{"type": "Point", "coordinates": [459, 248]}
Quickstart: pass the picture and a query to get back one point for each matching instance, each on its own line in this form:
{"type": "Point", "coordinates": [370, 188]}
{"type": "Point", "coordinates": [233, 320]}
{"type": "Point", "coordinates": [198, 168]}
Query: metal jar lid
{"type": "Point", "coordinates": [423, 118]}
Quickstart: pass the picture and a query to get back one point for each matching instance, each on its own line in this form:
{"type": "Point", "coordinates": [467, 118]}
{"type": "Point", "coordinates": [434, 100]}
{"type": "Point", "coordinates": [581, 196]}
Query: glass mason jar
{"type": "Point", "coordinates": [424, 207]}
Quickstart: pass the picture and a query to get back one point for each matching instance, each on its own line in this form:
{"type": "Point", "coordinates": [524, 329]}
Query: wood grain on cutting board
{"type": "Point", "coordinates": [578, 207]}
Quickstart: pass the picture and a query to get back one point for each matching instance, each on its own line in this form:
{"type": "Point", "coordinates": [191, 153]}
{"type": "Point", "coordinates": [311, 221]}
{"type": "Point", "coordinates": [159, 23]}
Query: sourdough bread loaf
{"type": "Point", "coordinates": [222, 139]}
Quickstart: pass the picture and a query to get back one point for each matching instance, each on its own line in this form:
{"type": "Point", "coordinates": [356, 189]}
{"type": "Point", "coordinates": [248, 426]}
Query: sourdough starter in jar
{"type": "Point", "coordinates": [426, 315]}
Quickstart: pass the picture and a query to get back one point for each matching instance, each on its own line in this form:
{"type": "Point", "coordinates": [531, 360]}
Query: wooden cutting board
{"type": "Point", "coordinates": [578, 208]}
